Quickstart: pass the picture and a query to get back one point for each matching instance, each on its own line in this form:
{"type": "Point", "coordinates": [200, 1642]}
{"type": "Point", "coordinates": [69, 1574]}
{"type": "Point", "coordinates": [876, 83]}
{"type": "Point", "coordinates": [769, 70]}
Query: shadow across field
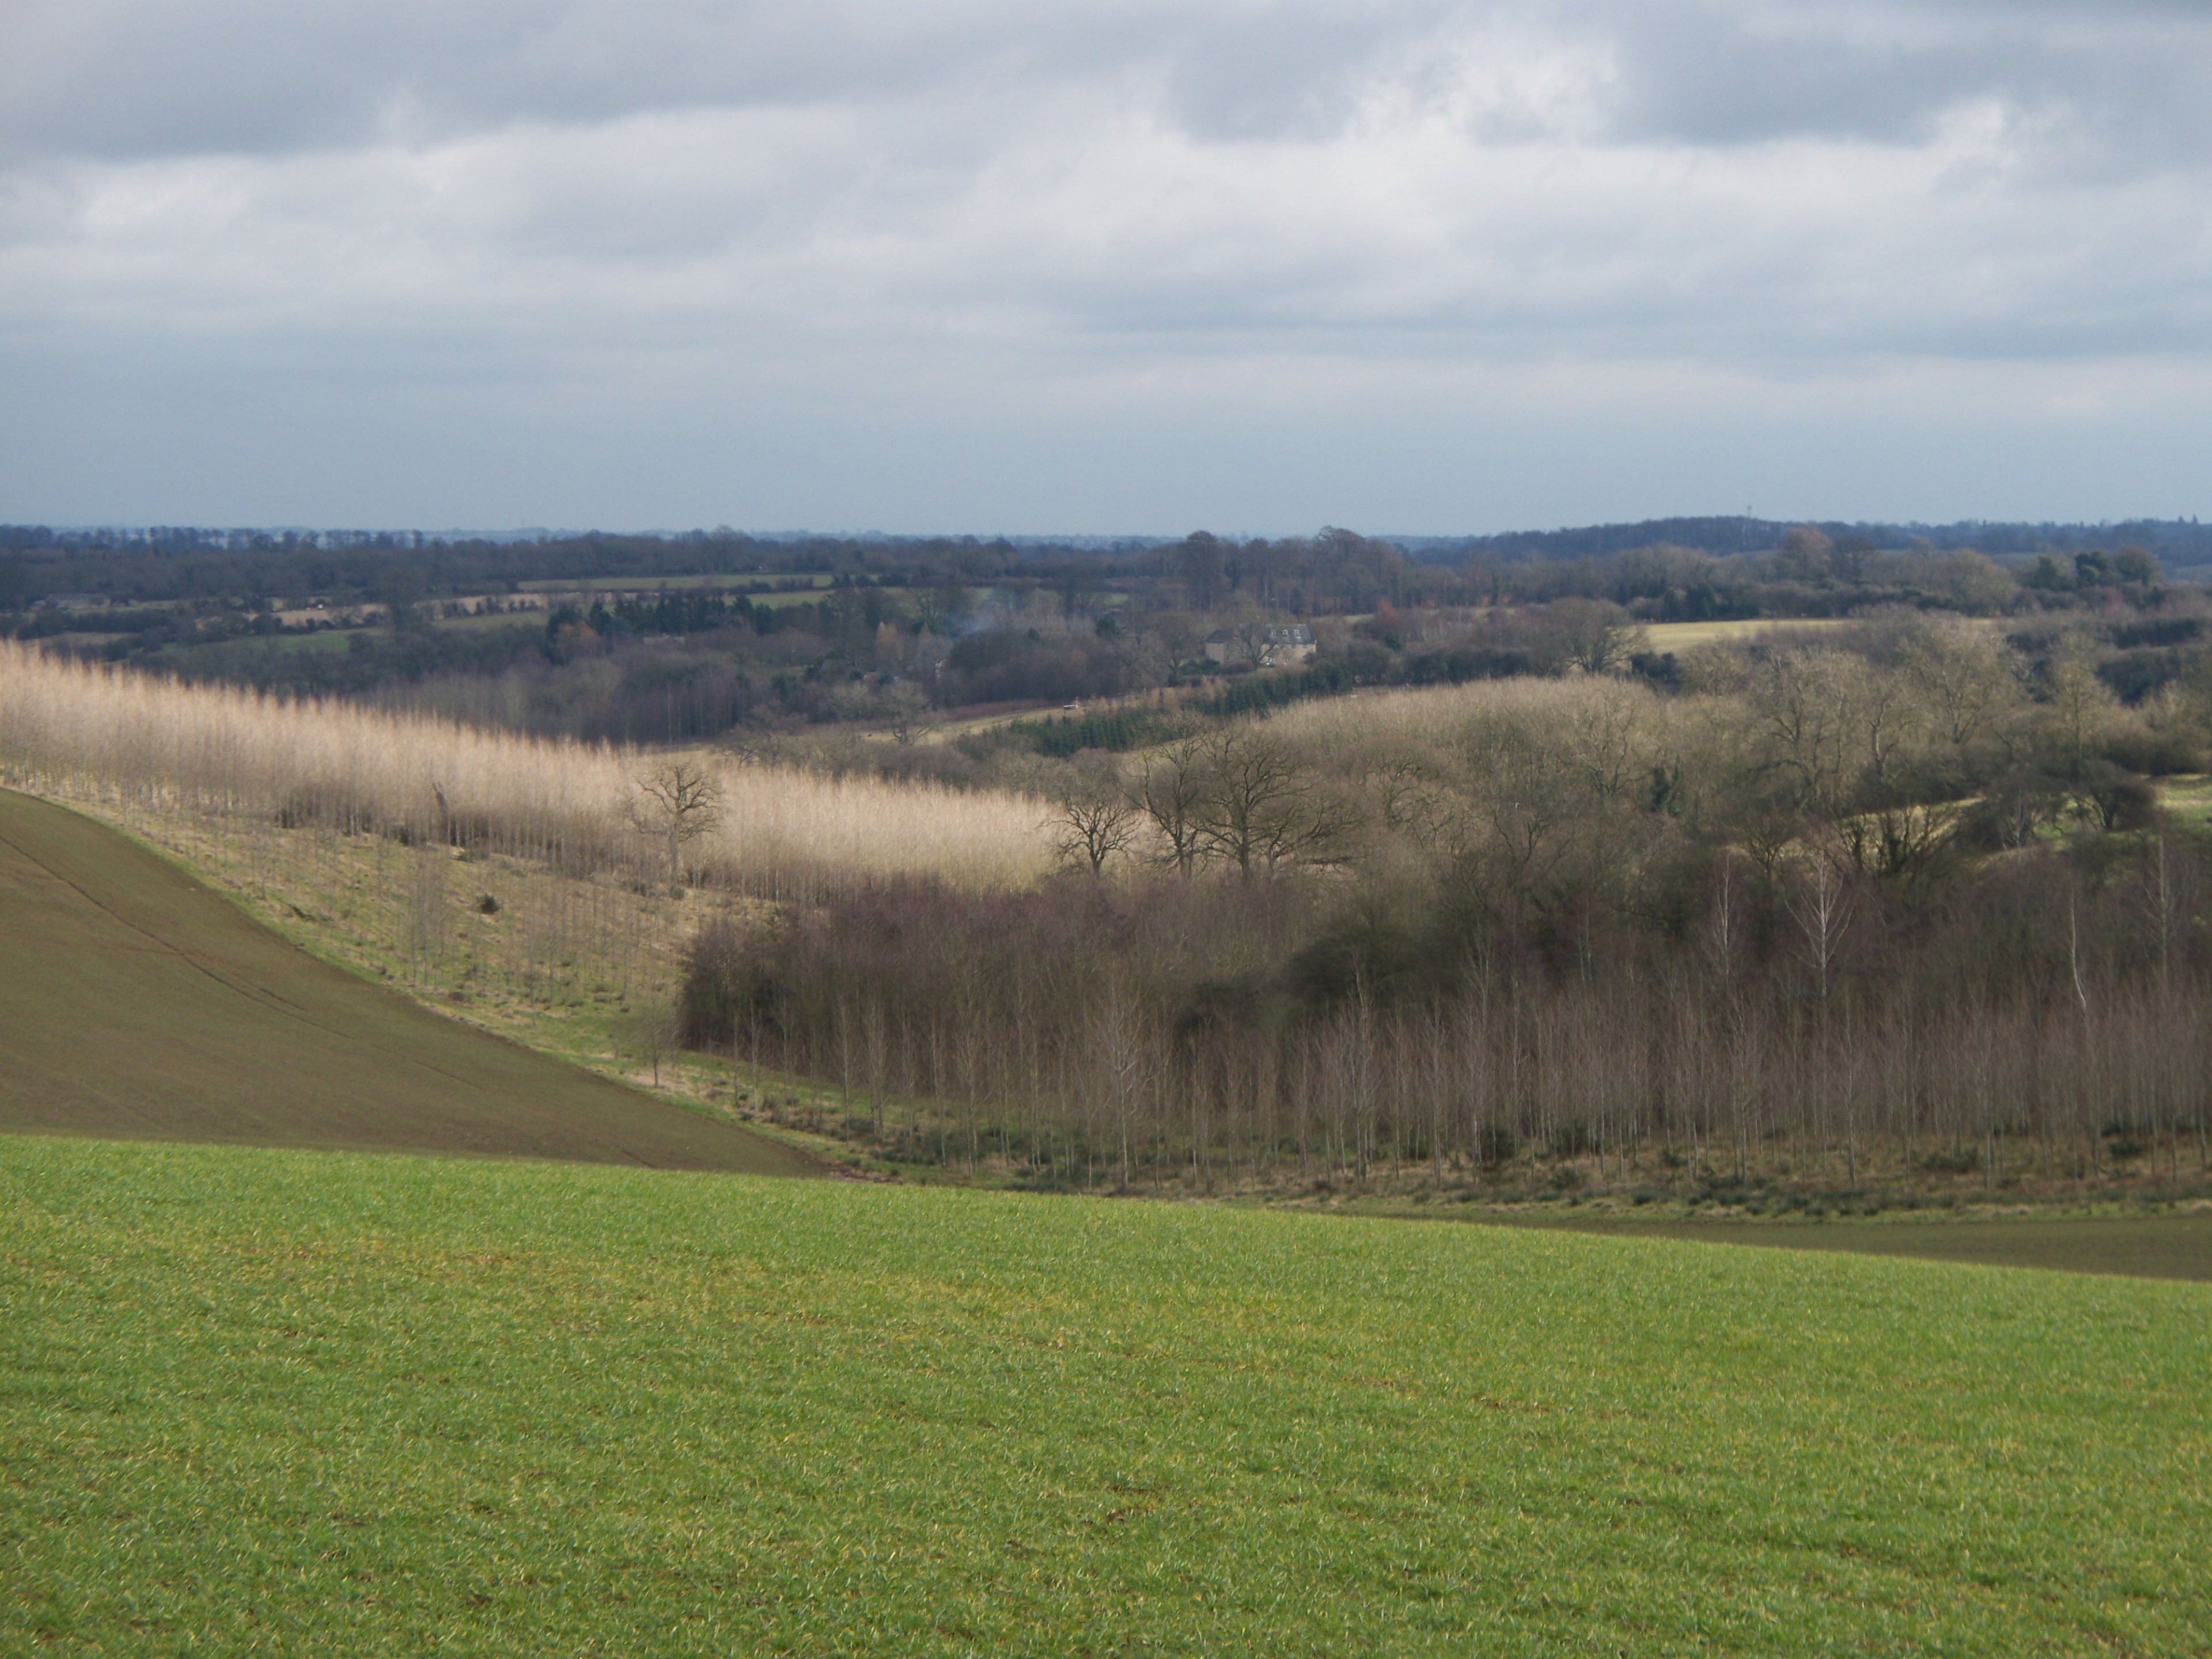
{"type": "Point", "coordinates": [136, 1002]}
{"type": "Point", "coordinates": [2140, 1247]}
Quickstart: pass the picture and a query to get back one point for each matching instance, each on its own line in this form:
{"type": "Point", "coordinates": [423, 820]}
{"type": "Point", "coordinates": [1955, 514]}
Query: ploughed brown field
{"type": "Point", "coordinates": [136, 1002]}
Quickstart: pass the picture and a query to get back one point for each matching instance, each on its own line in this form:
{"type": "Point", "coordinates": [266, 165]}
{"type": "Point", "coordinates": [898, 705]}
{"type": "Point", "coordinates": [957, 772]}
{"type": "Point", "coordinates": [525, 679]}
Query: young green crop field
{"type": "Point", "coordinates": [336, 1403]}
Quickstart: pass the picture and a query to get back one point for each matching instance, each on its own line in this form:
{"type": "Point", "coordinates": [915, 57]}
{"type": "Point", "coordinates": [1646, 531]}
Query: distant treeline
{"type": "Point", "coordinates": [2184, 539]}
{"type": "Point", "coordinates": [769, 634]}
{"type": "Point", "coordinates": [190, 566]}
{"type": "Point", "coordinates": [1333, 570]}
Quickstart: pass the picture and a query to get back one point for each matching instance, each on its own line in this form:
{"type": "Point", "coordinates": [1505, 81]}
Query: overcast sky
{"type": "Point", "coordinates": [1142, 267]}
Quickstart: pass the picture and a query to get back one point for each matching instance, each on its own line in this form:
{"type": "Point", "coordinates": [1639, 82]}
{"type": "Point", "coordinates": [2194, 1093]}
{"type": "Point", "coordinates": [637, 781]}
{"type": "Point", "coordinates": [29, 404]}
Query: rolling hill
{"type": "Point", "coordinates": [140, 1004]}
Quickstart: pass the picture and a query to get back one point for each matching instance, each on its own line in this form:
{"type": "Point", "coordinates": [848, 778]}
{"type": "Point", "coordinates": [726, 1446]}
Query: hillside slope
{"type": "Point", "coordinates": [134, 1002]}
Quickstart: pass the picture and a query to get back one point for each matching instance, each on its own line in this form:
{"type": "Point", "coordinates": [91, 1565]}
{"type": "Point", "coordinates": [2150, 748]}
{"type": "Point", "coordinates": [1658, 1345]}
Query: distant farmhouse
{"type": "Point", "coordinates": [1263, 645]}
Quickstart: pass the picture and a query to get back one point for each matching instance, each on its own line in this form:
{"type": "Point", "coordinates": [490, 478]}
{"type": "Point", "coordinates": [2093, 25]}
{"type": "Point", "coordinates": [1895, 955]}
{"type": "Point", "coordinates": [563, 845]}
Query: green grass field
{"type": "Point", "coordinates": [303, 1403]}
{"type": "Point", "coordinates": [754, 584]}
{"type": "Point", "coordinates": [1680, 636]}
{"type": "Point", "coordinates": [238, 656]}
{"type": "Point", "coordinates": [135, 1001]}
{"type": "Point", "coordinates": [2189, 799]}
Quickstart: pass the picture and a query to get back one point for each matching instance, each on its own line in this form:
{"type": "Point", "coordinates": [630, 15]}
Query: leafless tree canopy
{"type": "Point", "coordinates": [1745, 927]}
{"type": "Point", "coordinates": [678, 802]}
{"type": "Point", "coordinates": [1911, 883]}
{"type": "Point", "coordinates": [1093, 821]}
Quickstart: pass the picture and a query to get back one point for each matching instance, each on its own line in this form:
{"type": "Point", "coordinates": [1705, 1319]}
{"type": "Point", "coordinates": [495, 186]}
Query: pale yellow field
{"type": "Point", "coordinates": [946, 731]}
{"type": "Point", "coordinates": [756, 586]}
{"type": "Point", "coordinates": [1678, 636]}
{"type": "Point", "coordinates": [85, 732]}
{"type": "Point", "coordinates": [1363, 718]}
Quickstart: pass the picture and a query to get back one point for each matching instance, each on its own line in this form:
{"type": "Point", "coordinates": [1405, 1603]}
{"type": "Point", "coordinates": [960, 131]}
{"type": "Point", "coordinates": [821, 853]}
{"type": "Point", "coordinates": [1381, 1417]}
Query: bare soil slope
{"type": "Point", "coordinates": [134, 1002]}
{"type": "Point", "coordinates": [2170, 1246]}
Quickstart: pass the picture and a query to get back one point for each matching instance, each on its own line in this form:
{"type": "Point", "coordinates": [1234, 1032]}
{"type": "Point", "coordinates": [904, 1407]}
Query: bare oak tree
{"type": "Point", "coordinates": [1170, 791]}
{"type": "Point", "coordinates": [1262, 806]}
{"type": "Point", "coordinates": [1598, 637]}
{"type": "Point", "coordinates": [678, 801]}
{"type": "Point", "coordinates": [1091, 822]}
{"type": "Point", "coordinates": [1964, 673]}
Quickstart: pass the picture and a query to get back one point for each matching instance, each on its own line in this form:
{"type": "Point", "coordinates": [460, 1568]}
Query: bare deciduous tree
{"type": "Point", "coordinates": [2167, 894]}
{"type": "Point", "coordinates": [2079, 706]}
{"type": "Point", "coordinates": [678, 801]}
{"type": "Point", "coordinates": [1598, 637]}
{"type": "Point", "coordinates": [1263, 807]}
{"type": "Point", "coordinates": [1125, 1061]}
{"type": "Point", "coordinates": [904, 704]}
{"type": "Point", "coordinates": [1413, 793]}
{"type": "Point", "coordinates": [1964, 674]}
{"type": "Point", "coordinates": [1169, 792]}
{"type": "Point", "coordinates": [1803, 701]}
{"type": "Point", "coordinates": [1093, 821]}
{"type": "Point", "coordinates": [1607, 736]}
{"type": "Point", "coordinates": [652, 1033]}
{"type": "Point", "coordinates": [1819, 903]}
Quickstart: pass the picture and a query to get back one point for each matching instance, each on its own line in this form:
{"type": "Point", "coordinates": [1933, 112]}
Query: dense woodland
{"type": "Point", "coordinates": [1500, 885]}
{"type": "Point", "coordinates": [147, 565]}
{"type": "Point", "coordinates": [776, 638]}
{"type": "Point", "coordinates": [1899, 902]}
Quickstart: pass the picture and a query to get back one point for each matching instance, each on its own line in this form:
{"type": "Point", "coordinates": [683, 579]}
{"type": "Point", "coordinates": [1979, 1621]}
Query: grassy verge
{"type": "Point", "coordinates": [300, 1403]}
{"type": "Point", "coordinates": [2189, 800]}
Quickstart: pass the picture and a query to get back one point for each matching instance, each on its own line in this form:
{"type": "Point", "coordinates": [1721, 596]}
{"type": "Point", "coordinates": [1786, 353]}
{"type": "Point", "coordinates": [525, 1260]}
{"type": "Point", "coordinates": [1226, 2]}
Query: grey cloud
{"type": "Point", "coordinates": [2133, 80]}
{"type": "Point", "coordinates": [126, 78]}
{"type": "Point", "coordinates": [1087, 215]}
{"type": "Point", "coordinates": [136, 78]}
